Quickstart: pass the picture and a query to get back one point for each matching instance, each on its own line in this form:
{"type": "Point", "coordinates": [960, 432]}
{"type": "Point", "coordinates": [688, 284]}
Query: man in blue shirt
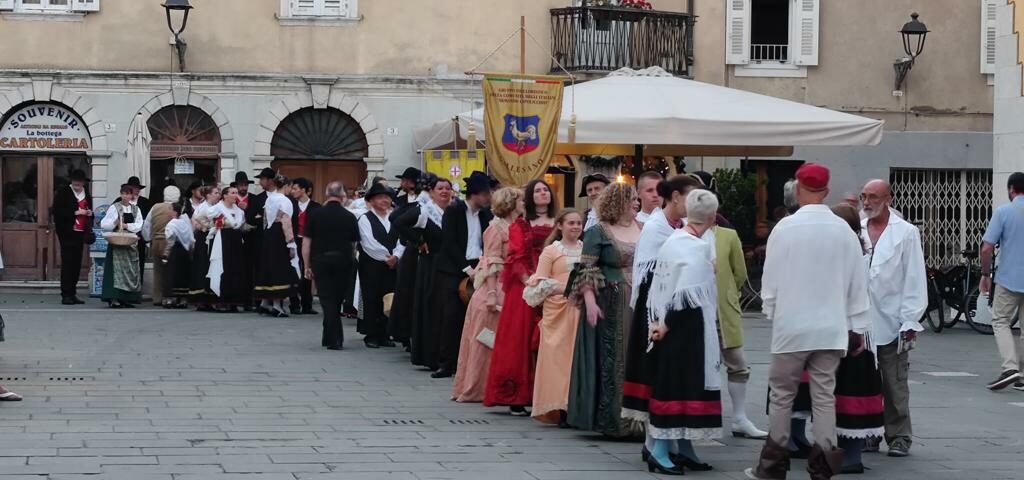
{"type": "Point", "coordinates": [1007, 231]}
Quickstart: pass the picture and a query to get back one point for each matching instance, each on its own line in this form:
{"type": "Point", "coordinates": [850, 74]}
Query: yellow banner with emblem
{"type": "Point", "coordinates": [453, 164]}
{"type": "Point", "coordinates": [521, 114]}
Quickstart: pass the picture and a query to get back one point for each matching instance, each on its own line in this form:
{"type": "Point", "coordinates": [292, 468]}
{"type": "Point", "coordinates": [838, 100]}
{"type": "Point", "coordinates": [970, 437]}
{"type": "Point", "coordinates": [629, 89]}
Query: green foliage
{"type": "Point", "coordinates": [736, 192]}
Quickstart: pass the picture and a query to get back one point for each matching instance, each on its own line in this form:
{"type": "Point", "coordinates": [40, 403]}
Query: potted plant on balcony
{"type": "Point", "coordinates": [638, 4]}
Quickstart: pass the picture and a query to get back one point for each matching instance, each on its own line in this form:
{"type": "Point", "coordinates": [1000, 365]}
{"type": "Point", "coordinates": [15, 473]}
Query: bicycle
{"type": "Point", "coordinates": [935, 300]}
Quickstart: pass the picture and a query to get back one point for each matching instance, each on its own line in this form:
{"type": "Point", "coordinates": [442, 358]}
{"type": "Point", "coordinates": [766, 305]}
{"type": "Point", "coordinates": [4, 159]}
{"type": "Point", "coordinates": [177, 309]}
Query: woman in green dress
{"type": "Point", "coordinates": [122, 287]}
{"type": "Point", "coordinates": [604, 282]}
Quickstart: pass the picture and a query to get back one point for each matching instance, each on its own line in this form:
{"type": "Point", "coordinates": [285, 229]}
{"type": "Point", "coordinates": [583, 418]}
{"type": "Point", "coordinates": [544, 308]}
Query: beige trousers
{"type": "Point", "coordinates": [1004, 304]}
{"type": "Point", "coordinates": [784, 380]}
{"type": "Point", "coordinates": [735, 365]}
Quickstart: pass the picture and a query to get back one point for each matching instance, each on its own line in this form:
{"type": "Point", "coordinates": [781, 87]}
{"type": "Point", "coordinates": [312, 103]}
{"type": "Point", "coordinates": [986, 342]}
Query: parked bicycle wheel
{"type": "Point", "coordinates": [934, 313]}
{"type": "Point", "coordinates": [971, 307]}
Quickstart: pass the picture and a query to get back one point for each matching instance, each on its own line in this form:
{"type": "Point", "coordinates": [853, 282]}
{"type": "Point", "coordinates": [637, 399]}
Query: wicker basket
{"type": "Point", "coordinates": [121, 239]}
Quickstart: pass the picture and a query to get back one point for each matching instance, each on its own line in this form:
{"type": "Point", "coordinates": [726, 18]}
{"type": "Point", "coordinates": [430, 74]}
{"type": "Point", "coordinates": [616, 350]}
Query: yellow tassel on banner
{"type": "Point", "coordinates": [471, 138]}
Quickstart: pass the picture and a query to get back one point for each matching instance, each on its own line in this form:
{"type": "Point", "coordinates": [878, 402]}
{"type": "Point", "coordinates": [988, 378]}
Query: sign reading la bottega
{"type": "Point", "coordinates": [44, 126]}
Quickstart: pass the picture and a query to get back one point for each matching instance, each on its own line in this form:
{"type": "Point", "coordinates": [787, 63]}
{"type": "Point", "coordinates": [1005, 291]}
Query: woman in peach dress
{"type": "Point", "coordinates": [561, 317]}
{"type": "Point", "coordinates": [484, 307]}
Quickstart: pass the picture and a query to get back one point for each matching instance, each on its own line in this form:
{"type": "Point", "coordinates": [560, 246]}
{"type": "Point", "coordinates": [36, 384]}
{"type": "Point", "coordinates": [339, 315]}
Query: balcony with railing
{"type": "Point", "coordinates": [595, 39]}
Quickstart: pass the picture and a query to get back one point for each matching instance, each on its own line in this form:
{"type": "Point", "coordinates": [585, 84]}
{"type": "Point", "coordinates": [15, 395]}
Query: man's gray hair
{"type": "Point", "coordinates": [789, 197]}
{"type": "Point", "coordinates": [336, 190]}
{"type": "Point", "coordinates": [701, 207]}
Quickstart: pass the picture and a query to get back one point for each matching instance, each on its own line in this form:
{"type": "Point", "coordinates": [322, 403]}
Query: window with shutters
{"type": "Point", "coordinates": [50, 6]}
{"type": "Point", "coordinates": [319, 9]}
{"type": "Point", "coordinates": [772, 37]}
{"type": "Point", "coordinates": [989, 9]}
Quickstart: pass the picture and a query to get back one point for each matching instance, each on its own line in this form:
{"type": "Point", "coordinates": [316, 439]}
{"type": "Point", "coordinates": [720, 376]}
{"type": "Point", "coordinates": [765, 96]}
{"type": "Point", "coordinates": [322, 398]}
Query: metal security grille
{"type": "Point", "coordinates": [951, 207]}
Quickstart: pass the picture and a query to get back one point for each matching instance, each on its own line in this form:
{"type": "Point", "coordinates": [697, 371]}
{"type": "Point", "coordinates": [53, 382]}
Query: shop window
{"type": "Point", "coordinates": [20, 190]}
{"type": "Point", "coordinates": [50, 6]}
{"type": "Point", "coordinates": [303, 12]}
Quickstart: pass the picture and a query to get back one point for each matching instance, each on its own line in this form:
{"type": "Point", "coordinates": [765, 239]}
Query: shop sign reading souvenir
{"type": "Point", "coordinates": [44, 126]}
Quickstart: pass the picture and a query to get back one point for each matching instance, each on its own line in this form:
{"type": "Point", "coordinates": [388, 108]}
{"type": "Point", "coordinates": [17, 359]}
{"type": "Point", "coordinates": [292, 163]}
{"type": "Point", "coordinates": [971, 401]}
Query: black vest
{"type": "Point", "coordinates": [380, 234]}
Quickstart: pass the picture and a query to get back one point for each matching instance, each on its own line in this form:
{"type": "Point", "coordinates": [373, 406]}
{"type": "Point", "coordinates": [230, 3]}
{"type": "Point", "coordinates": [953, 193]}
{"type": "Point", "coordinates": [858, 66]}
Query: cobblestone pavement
{"type": "Point", "coordinates": [150, 394]}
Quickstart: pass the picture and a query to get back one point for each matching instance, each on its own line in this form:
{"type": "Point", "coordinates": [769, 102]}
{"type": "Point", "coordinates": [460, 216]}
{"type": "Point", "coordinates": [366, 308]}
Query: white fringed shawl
{"type": "Point", "coordinates": [685, 278]}
{"type": "Point", "coordinates": [652, 237]}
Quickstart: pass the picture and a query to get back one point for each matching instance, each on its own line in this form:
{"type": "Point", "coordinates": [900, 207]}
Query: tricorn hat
{"type": "Point", "coordinates": [411, 173]}
{"type": "Point", "coordinates": [594, 177]}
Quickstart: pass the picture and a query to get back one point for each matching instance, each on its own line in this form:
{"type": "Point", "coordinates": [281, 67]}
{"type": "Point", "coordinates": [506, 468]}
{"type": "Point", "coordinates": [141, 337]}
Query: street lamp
{"type": "Point", "coordinates": [179, 44]}
{"type": "Point", "coordinates": [914, 34]}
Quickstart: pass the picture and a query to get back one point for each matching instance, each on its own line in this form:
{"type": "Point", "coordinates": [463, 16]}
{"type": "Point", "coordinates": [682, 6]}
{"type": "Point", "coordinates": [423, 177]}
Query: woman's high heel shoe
{"type": "Point", "coordinates": [654, 467]}
{"type": "Point", "coordinates": [684, 462]}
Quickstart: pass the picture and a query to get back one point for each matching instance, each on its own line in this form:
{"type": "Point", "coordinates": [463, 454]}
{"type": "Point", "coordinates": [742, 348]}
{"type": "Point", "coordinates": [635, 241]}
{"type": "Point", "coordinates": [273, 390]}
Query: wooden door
{"type": "Point", "coordinates": [321, 172]}
{"type": "Point", "coordinates": [25, 232]}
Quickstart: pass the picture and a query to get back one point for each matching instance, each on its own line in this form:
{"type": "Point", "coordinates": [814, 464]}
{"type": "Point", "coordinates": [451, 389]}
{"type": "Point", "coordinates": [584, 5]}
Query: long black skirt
{"type": "Point", "coordinates": [403, 304]}
{"type": "Point", "coordinates": [680, 407]}
{"type": "Point", "coordinates": [636, 390]}
{"type": "Point", "coordinates": [375, 281]}
{"type": "Point", "coordinates": [276, 278]}
{"type": "Point", "coordinates": [426, 349]}
{"type": "Point", "coordinates": [178, 272]}
{"type": "Point", "coordinates": [199, 285]}
{"type": "Point", "coordinates": [234, 288]}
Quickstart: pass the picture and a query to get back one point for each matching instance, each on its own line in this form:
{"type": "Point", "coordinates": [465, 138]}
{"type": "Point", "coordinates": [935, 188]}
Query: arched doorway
{"type": "Point", "coordinates": [321, 145]}
{"type": "Point", "coordinates": [185, 148]}
{"type": "Point", "coordinates": [41, 143]}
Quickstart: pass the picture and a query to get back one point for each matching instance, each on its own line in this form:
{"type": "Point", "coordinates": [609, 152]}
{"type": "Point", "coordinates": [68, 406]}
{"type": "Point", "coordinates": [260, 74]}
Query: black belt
{"type": "Point", "coordinates": [474, 262]}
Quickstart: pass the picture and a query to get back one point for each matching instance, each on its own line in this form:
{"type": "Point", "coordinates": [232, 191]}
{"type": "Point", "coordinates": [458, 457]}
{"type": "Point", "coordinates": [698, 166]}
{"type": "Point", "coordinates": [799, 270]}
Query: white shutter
{"type": "Point", "coordinates": [6, 4]}
{"type": "Point", "coordinates": [85, 5]}
{"type": "Point", "coordinates": [335, 8]}
{"type": "Point", "coordinates": [305, 7]}
{"type": "Point", "coordinates": [988, 35]}
{"type": "Point", "coordinates": [806, 14]}
{"type": "Point", "coordinates": [737, 32]}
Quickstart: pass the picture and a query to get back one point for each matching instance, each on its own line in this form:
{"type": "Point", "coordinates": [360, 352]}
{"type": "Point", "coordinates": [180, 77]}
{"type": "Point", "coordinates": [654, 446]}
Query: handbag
{"type": "Point", "coordinates": [486, 337]}
{"type": "Point", "coordinates": [90, 235]}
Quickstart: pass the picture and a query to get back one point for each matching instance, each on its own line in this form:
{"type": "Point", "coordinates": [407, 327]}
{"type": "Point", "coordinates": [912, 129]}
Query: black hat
{"type": "Point", "coordinates": [477, 182]}
{"type": "Point", "coordinates": [78, 176]}
{"type": "Point", "coordinates": [593, 177]}
{"type": "Point", "coordinates": [378, 189]}
{"type": "Point", "coordinates": [194, 185]}
{"type": "Point", "coordinates": [267, 173]}
{"type": "Point", "coordinates": [410, 173]}
{"type": "Point", "coordinates": [134, 182]}
{"type": "Point", "coordinates": [706, 178]}
{"type": "Point", "coordinates": [242, 177]}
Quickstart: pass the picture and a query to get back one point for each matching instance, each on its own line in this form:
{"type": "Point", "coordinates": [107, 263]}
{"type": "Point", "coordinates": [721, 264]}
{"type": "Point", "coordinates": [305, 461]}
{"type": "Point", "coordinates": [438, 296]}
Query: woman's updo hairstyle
{"type": "Point", "coordinates": [677, 183]}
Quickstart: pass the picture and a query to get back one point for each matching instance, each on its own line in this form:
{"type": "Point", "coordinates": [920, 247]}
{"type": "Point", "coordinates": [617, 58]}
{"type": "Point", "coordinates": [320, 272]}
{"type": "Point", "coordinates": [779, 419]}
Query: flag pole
{"type": "Point", "coordinates": [522, 44]}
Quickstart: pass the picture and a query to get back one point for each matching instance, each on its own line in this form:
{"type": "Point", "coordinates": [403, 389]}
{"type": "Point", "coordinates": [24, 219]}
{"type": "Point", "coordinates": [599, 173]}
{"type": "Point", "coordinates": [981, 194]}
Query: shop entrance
{"type": "Point", "coordinates": [185, 148]}
{"type": "Point", "coordinates": [27, 236]}
{"type": "Point", "coordinates": [320, 145]}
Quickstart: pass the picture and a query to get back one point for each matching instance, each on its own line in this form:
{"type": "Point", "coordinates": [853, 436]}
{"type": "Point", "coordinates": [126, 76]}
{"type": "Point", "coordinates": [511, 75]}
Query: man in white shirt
{"type": "Point", "coordinates": [647, 191]}
{"type": "Point", "coordinates": [379, 252]}
{"type": "Point", "coordinates": [591, 188]}
{"type": "Point", "coordinates": [899, 296]}
{"type": "Point", "coordinates": [814, 290]}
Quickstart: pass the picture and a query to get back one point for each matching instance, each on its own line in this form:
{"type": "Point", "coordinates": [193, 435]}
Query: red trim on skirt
{"type": "Point", "coordinates": [685, 407]}
{"type": "Point", "coordinates": [848, 405]}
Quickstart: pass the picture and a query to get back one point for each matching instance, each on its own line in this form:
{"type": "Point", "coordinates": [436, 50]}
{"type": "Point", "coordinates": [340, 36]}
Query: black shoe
{"type": "Point", "coordinates": [310, 312]}
{"type": "Point", "coordinates": [248, 308]}
{"type": "Point", "coordinates": [386, 343]}
{"type": "Point", "coordinates": [645, 454]}
{"type": "Point", "coordinates": [685, 462]}
{"type": "Point", "coordinates": [518, 411]}
{"type": "Point", "coordinates": [654, 467]}
{"type": "Point", "coordinates": [801, 452]}
{"type": "Point", "coordinates": [295, 310]}
{"type": "Point", "coordinates": [67, 301]}
{"type": "Point", "coordinates": [334, 347]}
{"type": "Point", "coordinates": [855, 469]}
{"type": "Point", "coordinates": [1019, 386]}
{"type": "Point", "coordinates": [370, 343]}
{"type": "Point", "coordinates": [442, 373]}
{"type": "Point", "coordinates": [78, 301]}
{"type": "Point", "coordinates": [1005, 379]}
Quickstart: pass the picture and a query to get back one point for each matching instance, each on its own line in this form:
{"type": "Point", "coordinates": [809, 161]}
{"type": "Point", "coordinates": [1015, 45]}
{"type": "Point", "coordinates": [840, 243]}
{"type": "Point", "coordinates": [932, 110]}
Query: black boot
{"type": "Point", "coordinates": [823, 465]}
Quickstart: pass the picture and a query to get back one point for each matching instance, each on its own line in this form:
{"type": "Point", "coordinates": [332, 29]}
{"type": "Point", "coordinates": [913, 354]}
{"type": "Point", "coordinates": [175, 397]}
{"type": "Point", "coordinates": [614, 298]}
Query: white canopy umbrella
{"type": "Point", "coordinates": [651, 107]}
{"type": "Point", "coordinates": [137, 153]}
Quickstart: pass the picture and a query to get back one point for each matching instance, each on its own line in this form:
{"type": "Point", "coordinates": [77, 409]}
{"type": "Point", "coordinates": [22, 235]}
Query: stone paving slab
{"type": "Point", "coordinates": [151, 394]}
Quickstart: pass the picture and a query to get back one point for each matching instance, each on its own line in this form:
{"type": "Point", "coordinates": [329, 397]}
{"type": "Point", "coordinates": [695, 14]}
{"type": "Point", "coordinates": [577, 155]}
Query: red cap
{"type": "Point", "coordinates": [813, 177]}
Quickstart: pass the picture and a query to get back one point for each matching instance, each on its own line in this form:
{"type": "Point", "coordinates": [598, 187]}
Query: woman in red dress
{"type": "Point", "coordinates": [510, 377]}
